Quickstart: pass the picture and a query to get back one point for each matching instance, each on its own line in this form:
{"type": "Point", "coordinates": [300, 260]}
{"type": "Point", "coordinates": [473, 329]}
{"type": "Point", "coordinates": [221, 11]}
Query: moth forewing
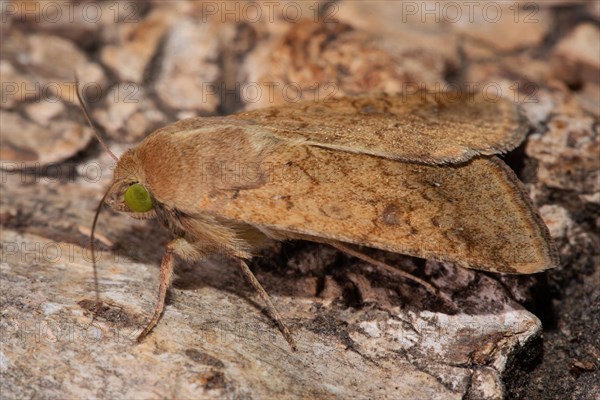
{"type": "Point", "coordinates": [432, 128]}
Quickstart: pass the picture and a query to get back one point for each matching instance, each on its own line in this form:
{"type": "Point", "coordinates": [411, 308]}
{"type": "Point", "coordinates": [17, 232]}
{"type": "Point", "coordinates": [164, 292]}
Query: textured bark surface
{"type": "Point", "coordinates": [361, 332]}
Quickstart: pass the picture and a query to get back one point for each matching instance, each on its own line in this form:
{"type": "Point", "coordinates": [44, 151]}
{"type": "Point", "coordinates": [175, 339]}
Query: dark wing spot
{"type": "Point", "coordinates": [370, 109]}
{"type": "Point", "coordinates": [203, 358]}
{"type": "Point", "coordinates": [335, 211]}
{"type": "Point", "coordinates": [390, 215]}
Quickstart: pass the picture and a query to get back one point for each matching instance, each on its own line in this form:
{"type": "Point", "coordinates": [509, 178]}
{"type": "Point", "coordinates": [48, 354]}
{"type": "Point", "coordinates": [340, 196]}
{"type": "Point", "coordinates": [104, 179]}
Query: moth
{"type": "Point", "coordinates": [414, 174]}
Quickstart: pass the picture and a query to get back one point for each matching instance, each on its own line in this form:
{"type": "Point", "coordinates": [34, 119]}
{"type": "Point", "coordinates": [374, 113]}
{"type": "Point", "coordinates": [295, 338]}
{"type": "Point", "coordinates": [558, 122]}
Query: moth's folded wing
{"type": "Point", "coordinates": [476, 214]}
{"type": "Point", "coordinates": [423, 127]}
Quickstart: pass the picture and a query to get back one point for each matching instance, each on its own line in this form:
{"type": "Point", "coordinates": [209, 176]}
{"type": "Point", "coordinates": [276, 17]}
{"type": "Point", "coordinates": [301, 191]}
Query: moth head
{"type": "Point", "coordinates": [129, 192]}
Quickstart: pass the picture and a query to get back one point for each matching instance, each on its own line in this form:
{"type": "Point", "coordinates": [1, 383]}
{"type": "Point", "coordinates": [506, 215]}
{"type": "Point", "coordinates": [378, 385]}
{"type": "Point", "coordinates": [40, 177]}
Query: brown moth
{"type": "Point", "coordinates": [412, 174]}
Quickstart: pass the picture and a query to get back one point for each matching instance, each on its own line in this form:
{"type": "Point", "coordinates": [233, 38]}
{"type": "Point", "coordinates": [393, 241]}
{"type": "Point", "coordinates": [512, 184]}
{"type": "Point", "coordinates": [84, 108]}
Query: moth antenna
{"type": "Point", "coordinates": [89, 120]}
{"type": "Point", "coordinates": [93, 247]}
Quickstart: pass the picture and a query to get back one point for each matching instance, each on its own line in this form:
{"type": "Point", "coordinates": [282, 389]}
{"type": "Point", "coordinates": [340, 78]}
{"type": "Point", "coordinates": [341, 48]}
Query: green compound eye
{"type": "Point", "coordinates": [137, 198]}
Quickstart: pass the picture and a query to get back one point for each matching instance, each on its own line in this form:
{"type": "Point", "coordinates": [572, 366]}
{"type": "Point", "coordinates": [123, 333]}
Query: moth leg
{"type": "Point", "coordinates": [166, 272]}
{"type": "Point", "coordinates": [267, 300]}
{"type": "Point", "coordinates": [361, 256]}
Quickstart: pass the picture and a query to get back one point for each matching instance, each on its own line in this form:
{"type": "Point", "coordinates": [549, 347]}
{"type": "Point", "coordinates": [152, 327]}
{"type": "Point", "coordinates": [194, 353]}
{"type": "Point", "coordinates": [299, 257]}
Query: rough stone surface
{"type": "Point", "coordinates": [317, 61]}
{"type": "Point", "coordinates": [501, 26]}
{"type": "Point", "coordinates": [575, 55]}
{"type": "Point", "coordinates": [54, 62]}
{"type": "Point", "coordinates": [362, 333]}
{"type": "Point", "coordinates": [568, 154]}
{"type": "Point", "coordinates": [215, 341]}
{"type": "Point", "coordinates": [16, 86]}
{"type": "Point", "coordinates": [188, 71]}
{"type": "Point", "coordinates": [129, 58]}
{"type": "Point", "coordinates": [129, 113]}
{"type": "Point", "coordinates": [26, 144]}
